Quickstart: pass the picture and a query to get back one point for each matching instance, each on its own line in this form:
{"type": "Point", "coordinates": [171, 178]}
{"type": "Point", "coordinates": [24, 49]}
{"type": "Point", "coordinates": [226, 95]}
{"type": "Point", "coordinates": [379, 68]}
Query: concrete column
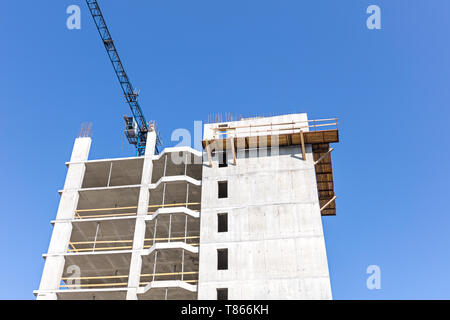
{"type": "Point", "coordinates": [54, 262]}
{"type": "Point", "coordinates": [139, 231]}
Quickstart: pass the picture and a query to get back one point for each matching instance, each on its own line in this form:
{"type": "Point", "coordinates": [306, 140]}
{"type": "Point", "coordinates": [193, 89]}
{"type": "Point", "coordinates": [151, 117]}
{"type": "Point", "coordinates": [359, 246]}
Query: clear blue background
{"type": "Point", "coordinates": [191, 59]}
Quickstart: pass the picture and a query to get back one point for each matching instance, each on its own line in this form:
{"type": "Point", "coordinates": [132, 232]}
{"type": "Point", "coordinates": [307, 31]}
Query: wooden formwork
{"type": "Point", "coordinates": [286, 134]}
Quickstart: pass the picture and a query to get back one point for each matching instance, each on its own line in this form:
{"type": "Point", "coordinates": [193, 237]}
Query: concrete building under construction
{"type": "Point", "coordinates": [240, 219]}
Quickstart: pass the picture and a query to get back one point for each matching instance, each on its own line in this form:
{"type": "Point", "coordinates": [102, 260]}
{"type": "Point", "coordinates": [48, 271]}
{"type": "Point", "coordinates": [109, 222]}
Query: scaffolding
{"type": "Point", "coordinates": [319, 133]}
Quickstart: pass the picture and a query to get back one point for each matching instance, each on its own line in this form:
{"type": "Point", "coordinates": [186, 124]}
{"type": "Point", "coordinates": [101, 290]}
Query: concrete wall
{"type": "Point", "coordinates": [276, 248]}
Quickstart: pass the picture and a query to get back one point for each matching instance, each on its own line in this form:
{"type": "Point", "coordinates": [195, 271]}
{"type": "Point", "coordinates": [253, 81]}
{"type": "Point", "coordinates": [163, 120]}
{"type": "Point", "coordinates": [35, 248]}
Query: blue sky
{"type": "Point", "coordinates": [190, 59]}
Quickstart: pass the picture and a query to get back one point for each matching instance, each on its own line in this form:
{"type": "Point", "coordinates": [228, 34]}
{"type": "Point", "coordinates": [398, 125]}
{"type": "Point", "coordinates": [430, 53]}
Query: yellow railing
{"type": "Point", "coordinates": [75, 244]}
{"type": "Point", "coordinates": [105, 215]}
{"type": "Point", "coordinates": [114, 284]}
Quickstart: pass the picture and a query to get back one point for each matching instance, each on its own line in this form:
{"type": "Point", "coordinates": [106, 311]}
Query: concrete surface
{"type": "Point", "coordinates": [275, 238]}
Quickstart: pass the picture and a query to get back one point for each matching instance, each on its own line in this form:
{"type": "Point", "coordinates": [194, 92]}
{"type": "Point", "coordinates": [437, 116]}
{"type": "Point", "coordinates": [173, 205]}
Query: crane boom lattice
{"type": "Point", "coordinates": [136, 127]}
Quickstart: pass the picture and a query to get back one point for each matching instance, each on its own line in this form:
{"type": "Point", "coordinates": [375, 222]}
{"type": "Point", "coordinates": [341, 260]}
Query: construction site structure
{"type": "Point", "coordinates": [240, 219]}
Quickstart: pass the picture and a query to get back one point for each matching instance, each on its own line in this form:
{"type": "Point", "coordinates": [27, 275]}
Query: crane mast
{"type": "Point", "coordinates": [136, 127]}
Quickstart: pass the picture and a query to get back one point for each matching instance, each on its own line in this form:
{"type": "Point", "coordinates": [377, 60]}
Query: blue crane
{"type": "Point", "coordinates": [136, 128]}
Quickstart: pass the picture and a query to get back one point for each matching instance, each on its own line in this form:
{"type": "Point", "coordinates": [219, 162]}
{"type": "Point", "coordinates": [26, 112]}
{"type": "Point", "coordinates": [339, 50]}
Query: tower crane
{"type": "Point", "coordinates": [136, 127]}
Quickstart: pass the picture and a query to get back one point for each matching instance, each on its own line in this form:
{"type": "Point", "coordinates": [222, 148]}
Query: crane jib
{"type": "Point", "coordinates": [136, 128]}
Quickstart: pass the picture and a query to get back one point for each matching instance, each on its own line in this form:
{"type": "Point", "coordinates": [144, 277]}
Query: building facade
{"type": "Point", "coordinates": [240, 219]}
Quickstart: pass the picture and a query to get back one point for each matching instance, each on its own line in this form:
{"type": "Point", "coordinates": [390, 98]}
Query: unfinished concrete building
{"type": "Point", "coordinates": [240, 219]}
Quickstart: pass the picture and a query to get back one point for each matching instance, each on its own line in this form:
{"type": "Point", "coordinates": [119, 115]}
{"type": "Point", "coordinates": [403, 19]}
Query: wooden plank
{"type": "Point", "coordinates": [323, 156]}
{"type": "Point", "coordinates": [303, 145]}
{"type": "Point", "coordinates": [328, 203]}
{"type": "Point", "coordinates": [233, 150]}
